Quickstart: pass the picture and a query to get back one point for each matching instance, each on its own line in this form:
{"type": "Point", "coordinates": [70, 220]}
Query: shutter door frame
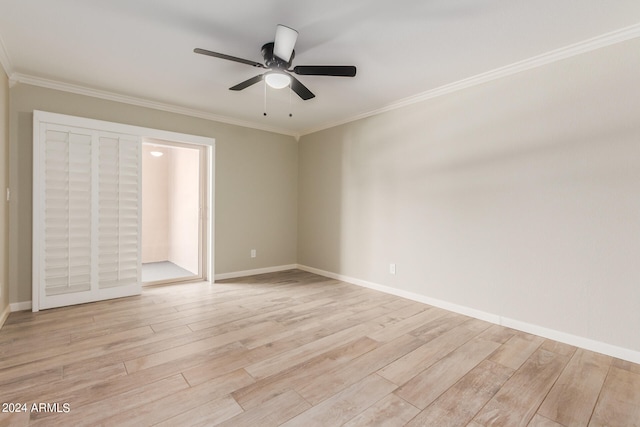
{"type": "Point", "coordinates": [43, 120]}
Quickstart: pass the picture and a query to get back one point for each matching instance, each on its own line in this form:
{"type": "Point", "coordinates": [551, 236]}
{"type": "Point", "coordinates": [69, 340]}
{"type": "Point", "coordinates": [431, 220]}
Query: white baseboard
{"type": "Point", "coordinates": [20, 306]}
{"type": "Point", "coordinates": [3, 316]}
{"type": "Point", "coordinates": [236, 274]}
{"type": "Point", "coordinates": [577, 341]}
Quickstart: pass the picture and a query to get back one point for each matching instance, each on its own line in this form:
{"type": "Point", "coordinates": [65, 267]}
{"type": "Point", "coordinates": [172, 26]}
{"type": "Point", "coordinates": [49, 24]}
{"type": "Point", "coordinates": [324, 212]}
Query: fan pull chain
{"type": "Point", "coordinates": [290, 115]}
{"type": "Point", "coordinates": [265, 98]}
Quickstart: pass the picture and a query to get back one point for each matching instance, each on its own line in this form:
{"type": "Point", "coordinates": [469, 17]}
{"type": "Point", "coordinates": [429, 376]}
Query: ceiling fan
{"type": "Point", "coordinates": [278, 56]}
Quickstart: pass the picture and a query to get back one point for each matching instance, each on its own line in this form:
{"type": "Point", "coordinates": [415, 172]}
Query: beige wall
{"type": "Point", "coordinates": [4, 206]}
{"type": "Point", "coordinates": [255, 181]}
{"type": "Point", "coordinates": [518, 197]}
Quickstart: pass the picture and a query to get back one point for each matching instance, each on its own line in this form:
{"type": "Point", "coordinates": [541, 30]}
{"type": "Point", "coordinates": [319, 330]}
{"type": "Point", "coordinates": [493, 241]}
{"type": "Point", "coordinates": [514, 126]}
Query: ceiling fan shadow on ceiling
{"type": "Point", "coordinates": [278, 56]}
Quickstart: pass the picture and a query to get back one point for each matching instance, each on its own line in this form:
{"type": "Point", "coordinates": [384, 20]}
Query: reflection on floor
{"type": "Point", "coordinates": [164, 270]}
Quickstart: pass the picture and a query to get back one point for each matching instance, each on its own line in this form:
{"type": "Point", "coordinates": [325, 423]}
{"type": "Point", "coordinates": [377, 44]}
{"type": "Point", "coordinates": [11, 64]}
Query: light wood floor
{"type": "Point", "coordinates": [297, 349]}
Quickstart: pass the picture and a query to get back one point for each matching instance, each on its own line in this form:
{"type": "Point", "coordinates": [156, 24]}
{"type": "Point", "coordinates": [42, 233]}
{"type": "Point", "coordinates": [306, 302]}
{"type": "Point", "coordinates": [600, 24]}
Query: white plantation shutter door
{"type": "Point", "coordinates": [87, 207]}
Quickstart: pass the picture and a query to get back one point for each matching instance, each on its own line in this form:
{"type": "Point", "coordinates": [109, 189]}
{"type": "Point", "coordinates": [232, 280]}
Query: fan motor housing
{"type": "Point", "coordinates": [273, 61]}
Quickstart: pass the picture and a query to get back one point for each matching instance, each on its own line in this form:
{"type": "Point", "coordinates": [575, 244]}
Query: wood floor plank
{"type": "Point", "coordinates": [558, 347]}
{"type": "Point", "coordinates": [392, 330]}
{"type": "Point", "coordinates": [93, 413]}
{"type": "Point", "coordinates": [619, 402]}
{"type": "Point", "coordinates": [66, 348]}
{"type": "Point", "coordinates": [540, 421]}
{"type": "Point", "coordinates": [516, 402]}
{"type": "Point", "coordinates": [100, 355]}
{"type": "Point", "coordinates": [299, 375]}
{"type": "Point", "coordinates": [274, 412]}
{"type": "Point", "coordinates": [278, 363]}
{"type": "Point", "coordinates": [627, 366]}
{"type": "Point", "coordinates": [346, 404]}
{"type": "Point", "coordinates": [437, 327]}
{"type": "Point", "coordinates": [21, 345]}
{"type": "Point", "coordinates": [108, 355]}
{"type": "Point", "coordinates": [427, 386]}
{"type": "Point", "coordinates": [209, 414]}
{"type": "Point", "coordinates": [237, 317]}
{"type": "Point", "coordinates": [329, 320]}
{"type": "Point", "coordinates": [208, 369]}
{"type": "Point", "coordinates": [573, 396]}
{"type": "Point", "coordinates": [86, 392]}
{"type": "Point", "coordinates": [192, 316]}
{"type": "Point", "coordinates": [411, 364]}
{"type": "Point", "coordinates": [98, 351]}
{"type": "Point", "coordinates": [517, 350]}
{"type": "Point", "coordinates": [12, 389]}
{"type": "Point", "coordinates": [14, 419]}
{"type": "Point", "coordinates": [213, 395]}
{"type": "Point", "coordinates": [207, 345]}
{"type": "Point", "coordinates": [388, 412]}
{"type": "Point", "coordinates": [460, 403]}
{"type": "Point", "coordinates": [318, 389]}
{"type": "Point", "coordinates": [498, 334]}
{"type": "Point", "coordinates": [320, 307]}
{"type": "Point", "coordinates": [42, 388]}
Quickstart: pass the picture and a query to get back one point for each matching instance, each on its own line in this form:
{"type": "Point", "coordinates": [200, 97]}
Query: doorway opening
{"type": "Point", "coordinates": [174, 226]}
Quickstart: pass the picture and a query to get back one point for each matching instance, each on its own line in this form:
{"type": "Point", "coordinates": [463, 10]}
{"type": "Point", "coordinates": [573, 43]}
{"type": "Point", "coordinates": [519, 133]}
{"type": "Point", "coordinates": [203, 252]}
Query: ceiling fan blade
{"type": "Point", "coordinates": [300, 89]}
{"type": "Point", "coordinates": [228, 57]}
{"type": "Point", "coordinates": [245, 84]}
{"type": "Point", "coordinates": [325, 70]}
{"type": "Point", "coordinates": [285, 41]}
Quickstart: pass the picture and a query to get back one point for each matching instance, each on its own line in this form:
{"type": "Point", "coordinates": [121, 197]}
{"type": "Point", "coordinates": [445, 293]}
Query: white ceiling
{"type": "Point", "coordinates": [141, 51]}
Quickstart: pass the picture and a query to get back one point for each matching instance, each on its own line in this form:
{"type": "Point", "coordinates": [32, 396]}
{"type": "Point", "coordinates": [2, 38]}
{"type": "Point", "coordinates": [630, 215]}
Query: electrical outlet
{"type": "Point", "coordinates": [392, 269]}
{"type": "Point", "coordinates": [253, 253]}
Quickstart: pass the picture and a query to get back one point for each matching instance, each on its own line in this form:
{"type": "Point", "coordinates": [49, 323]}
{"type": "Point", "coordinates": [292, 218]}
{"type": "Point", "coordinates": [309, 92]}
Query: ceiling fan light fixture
{"type": "Point", "coordinates": [277, 80]}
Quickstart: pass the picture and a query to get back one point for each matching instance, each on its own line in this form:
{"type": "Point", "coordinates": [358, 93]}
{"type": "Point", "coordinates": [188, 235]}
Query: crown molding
{"type": "Point", "coordinates": [608, 39]}
{"type": "Point", "coordinates": [140, 102]}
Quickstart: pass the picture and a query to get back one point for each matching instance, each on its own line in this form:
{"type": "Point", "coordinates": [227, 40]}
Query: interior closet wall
{"type": "Point", "coordinates": [171, 199]}
{"type": "Point", "coordinates": [184, 204]}
{"type": "Point", "coordinates": [155, 206]}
